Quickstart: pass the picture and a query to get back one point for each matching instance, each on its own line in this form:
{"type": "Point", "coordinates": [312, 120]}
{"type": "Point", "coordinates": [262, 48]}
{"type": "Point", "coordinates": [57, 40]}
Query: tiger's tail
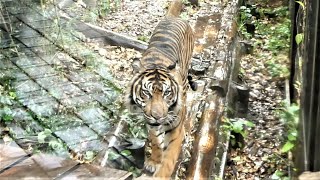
{"type": "Point", "coordinates": [175, 8]}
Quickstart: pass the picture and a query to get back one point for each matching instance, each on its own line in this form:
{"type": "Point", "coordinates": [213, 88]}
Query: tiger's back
{"type": "Point", "coordinates": [159, 90]}
{"type": "Point", "coordinates": [171, 44]}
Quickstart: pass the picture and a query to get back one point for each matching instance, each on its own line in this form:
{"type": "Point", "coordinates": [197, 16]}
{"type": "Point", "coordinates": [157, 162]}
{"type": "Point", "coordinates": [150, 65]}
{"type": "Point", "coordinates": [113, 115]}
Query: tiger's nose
{"type": "Point", "coordinates": [156, 114]}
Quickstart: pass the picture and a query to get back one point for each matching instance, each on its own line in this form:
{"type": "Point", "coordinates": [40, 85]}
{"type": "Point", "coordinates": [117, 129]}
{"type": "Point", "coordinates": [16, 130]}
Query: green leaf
{"type": "Point", "coordinates": [249, 124]}
{"type": "Point", "coordinates": [42, 135]}
{"type": "Point", "coordinates": [236, 158]}
{"type": "Point", "coordinates": [277, 175]}
{"type": "Point", "coordinates": [126, 153]}
{"type": "Point", "coordinates": [7, 117]}
{"type": "Point", "coordinates": [89, 155]}
{"type": "Point", "coordinates": [12, 95]}
{"type": "Point", "coordinates": [287, 147]}
{"type": "Point", "coordinates": [237, 126]}
{"type": "Point", "coordinates": [292, 137]}
{"type": "Point", "coordinates": [112, 155]}
{"type": "Point", "coordinates": [299, 38]}
{"type": "Point", "coordinates": [301, 4]}
{"type": "Point", "coordinates": [56, 145]}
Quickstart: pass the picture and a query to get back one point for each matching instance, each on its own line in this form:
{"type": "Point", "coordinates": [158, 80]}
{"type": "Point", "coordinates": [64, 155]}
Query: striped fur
{"type": "Point", "coordinates": [159, 90]}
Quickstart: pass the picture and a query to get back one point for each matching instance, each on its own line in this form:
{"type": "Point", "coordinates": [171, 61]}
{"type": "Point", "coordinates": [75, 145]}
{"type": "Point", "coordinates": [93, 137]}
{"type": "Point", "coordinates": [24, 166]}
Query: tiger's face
{"type": "Point", "coordinates": [156, 92]}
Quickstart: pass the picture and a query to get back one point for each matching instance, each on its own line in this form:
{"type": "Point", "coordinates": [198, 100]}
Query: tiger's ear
{"type": "Point", "coordinates": [136, 65]}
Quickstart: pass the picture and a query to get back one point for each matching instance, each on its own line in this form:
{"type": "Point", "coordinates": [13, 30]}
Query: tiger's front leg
{"type": "Point", "coordinates": [172, 148]}
{"type": "Point", "coordinates": [156, 142]}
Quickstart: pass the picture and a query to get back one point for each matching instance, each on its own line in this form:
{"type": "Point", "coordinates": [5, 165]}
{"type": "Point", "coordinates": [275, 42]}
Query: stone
{"type": "Point", "coordinates": [35, 41]}
{"type": "Point", "coordinates": [64, 91]}
{"type": "Point", "coordinates": [6, 64]}
{"type": "Point", "coordinates": [25, 86]}
{"type": "Point", "coordinates": [92, 115]}
{"type": "Point", "coordinates": [77, 101]}
{"type": "Point", "coordinates": [47, 82]}
{"type": "Point", "coordinates": [40, 71]}
{"type": "Point", "coordinates": [106, 98]}
{"type": "Point", "coordinates": [24, 61]}
{"type": "Point", "coordinates": [77, 137]}
{"type": "Point", "coordinates": [62, 122]}
{"type": "Point", "coordinates": [14, 74]}
{"type": "Point", "coordinates": [83, 77]}
{"type": "Point", "coordinates": [45, 109]}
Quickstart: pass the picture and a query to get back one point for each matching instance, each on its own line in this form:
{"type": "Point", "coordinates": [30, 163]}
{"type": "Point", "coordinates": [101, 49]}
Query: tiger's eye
{"type": "Point", "coordinates": [167, 92]}
{"type": "Point", "coordinates": [146, 92]}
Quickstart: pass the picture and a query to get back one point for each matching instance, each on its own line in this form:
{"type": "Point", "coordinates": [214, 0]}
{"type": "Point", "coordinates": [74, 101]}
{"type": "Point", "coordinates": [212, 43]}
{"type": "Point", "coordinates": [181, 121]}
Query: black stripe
{"type": "Point", "coordinates": [165, 148]}
{"type": "Point", "coordinates": [173, 106]}
{"type": "Point", "coordinates": [159, 134]}
{"type": "Point", "coordinates": [153, 124]}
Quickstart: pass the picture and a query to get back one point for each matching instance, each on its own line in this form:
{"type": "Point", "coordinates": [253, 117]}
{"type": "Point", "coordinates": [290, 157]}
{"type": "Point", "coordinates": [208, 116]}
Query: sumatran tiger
{"type": "Point", "coordinates": [159, 90]}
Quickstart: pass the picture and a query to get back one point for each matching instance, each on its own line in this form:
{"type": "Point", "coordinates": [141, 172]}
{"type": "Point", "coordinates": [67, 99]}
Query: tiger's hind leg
{"type": "Point", "coordinates": [153, 162]}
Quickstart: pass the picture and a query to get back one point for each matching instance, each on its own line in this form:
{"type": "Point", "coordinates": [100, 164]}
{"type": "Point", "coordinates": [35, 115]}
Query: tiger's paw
{"type": "Point", "coordinates": [151, 166]}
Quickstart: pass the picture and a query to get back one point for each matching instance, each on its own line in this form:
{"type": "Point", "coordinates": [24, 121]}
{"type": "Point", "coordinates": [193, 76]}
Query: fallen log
{"type": "Point", "coordinates": [222, 69]}
{"type": "Point", "coordinates": [206, 139]}
{"type": "Point", "coordinates": [105, 36]}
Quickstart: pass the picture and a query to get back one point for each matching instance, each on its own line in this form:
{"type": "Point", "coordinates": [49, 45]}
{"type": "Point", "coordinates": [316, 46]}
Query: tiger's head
{"type": "Point", "coordinates": [157, 93]}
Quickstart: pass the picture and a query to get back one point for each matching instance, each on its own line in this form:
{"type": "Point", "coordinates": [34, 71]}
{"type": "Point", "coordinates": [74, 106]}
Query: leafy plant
{"type": "Point", "coordinates": [277, 68]}
{"type": "Point", "coordinates": [279, 175]}
{"type": "Point", "coordinates": [12, 95]}
{"type": "Point", "coordinates": [245, 18]}
{"type": "Point", "coordinates": [46, 137]}
{"type": "Point", "coordinates": [143, 38]}
{"type": "Point", "coordinates": [299, 38]}
{"type": "Point", "coordinates": [289, 115]}
{"type": "Point", "coordinates": [43, 135]}
{"type": "Point", "coordinates": [237, 126]}
{"type": "Point", "coordinates": [136, 125]}
{"type": "Point", "coordinates": [107, 6]}
{"type": "Point", "coordinates": [89, 156]}
{"type": "Point", "coordinates": [273, 37]}
{"type": "Point", "coordinates": [6, 114]}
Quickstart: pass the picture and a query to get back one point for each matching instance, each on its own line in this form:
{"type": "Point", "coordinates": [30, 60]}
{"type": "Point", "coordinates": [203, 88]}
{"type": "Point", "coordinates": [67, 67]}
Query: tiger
{"type": "Point", "coordinates": [159, 89]}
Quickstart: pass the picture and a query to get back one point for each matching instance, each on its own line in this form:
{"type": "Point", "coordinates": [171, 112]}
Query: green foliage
{"type": "Point", "coordinates": [112, 155]}
{"type": "Point", "coordinates": [245, 18]}
{"type": "Point", "coordinates": [281, 11]}
{"type": "Point", "coordinates": [143, 38]}
{"type": "Point", "coordinates": [277, 67]}
{"type": "Point", "coordinates": [12, 95]}
{"type": "Point", "coordinates": [274, 36]}
{"type": "Point", "coordinates": [125, 152]}
{"type": "Point", "coordinates": [301, 4]}
{"type": "Point", "coordinates": [46, 137]}
{"type": "Point", "coordinates": [107, 6]}
{"type": "Point", "coordinates": [299, 38]}
{"type": "Point", "coordinates": [279, 37]}
{"type": "Point", "coordinates": [136, 125]}
{"type": "Point", "coordinates": [43, 135]}
{"type": "Point", "coordinates": [237, 126]}
{"type": "Point", "coordinates": [89, 156]}
{"type": "Point", "coordinates": [271, 39]}
{"type": "Point", "coordinates": [289, 115]}
{"type": "Point", "coordinates": [279, 175]}
{"type": "Point", "coordinates": [6, 114]}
